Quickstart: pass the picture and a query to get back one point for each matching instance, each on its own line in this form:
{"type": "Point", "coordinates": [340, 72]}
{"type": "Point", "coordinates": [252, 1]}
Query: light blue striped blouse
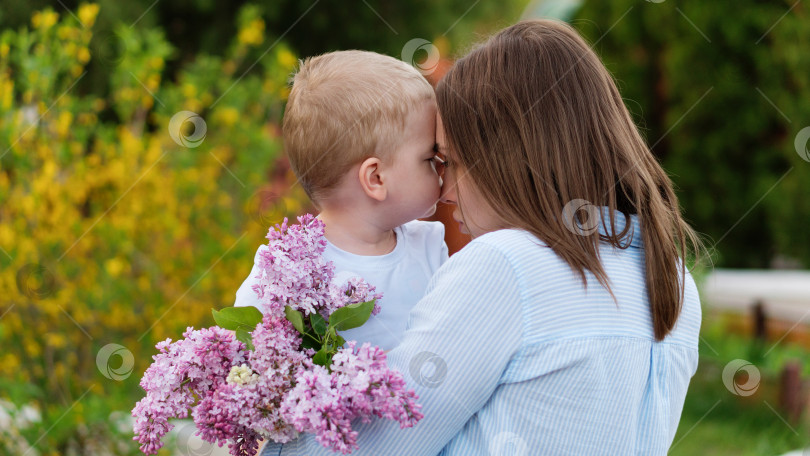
{"type": "Point", "coordinates": [510, 355]}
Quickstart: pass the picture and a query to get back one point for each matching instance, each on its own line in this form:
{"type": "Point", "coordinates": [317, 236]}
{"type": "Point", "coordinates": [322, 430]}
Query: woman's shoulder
{"type": "Point", "coordinates": [513, 250]}
{"type": "Point", "coordinates": [507, 237]}
{"type": "Point", "coordinates": [516, 245]}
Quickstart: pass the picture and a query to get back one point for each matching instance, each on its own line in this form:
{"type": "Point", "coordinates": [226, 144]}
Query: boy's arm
{"type": "Point", "coordinates": [245, 296]}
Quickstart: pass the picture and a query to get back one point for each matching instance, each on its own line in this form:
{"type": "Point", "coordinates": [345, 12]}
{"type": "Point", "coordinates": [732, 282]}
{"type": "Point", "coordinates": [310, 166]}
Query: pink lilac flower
{"type": "Point", "coordinates": [359, 385]}
{"type": "Point", "coordinates": [191, 366]}
{"type": "Point", "coordinates": [251, 411]}
{"type": "Point", "coordinates": [277, 345]}
{"type": "Point", "coordinates": [355, 290]}
{"type": "Point", "coordinates": [372, 387]}
{"type": "Point", "coordinates": [315, 406]}
{"type": "Point", "coordinates": [293, 270]}
{"type": "Point", "coordinates": [294, 273]}
{"type": "Point", "coordinates": [275, 390]}
{"type": "Point", "coordinates": [227, 415]}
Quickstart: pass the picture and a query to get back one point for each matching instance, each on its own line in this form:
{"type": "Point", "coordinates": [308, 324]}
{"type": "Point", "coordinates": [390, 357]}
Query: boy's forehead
{"type": "Point", "coordinates": [423, 113]}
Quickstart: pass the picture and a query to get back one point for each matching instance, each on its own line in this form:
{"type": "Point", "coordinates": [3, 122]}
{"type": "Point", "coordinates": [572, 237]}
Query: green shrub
{"type": "Point", "coordinates": [720, 90]}
{"type": "Point", "coordinates": [118, 225]}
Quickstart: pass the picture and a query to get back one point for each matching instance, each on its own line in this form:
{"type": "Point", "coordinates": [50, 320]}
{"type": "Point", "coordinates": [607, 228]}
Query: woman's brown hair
{"type": "Point", "coordinates": [536, 121]}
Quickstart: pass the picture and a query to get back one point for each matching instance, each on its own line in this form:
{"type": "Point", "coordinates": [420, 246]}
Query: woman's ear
{"type": "Point", "coordinates": [371, 179]}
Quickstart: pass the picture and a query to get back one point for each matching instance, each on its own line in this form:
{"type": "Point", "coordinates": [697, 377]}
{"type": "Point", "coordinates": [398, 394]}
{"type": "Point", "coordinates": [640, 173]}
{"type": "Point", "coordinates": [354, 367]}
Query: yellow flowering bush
{"type": "Point", "coordinates": [124, 218]}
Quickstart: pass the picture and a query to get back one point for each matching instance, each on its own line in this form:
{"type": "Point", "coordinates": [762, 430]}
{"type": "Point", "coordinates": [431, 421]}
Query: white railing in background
{"type": "Point", "coordinates": [785, 294]}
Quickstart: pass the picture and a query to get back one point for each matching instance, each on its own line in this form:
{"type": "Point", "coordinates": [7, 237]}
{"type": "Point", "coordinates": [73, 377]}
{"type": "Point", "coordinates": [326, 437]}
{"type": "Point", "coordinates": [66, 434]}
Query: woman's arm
{"type": "Point", "coordinates": [460, 338]}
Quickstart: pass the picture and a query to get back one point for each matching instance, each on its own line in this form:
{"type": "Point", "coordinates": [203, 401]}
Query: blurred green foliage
{"type": "Point", "coordinates": [308, 27]}
{"type": "Point", "coordinates": [717, 422]}
{"type": "Point", "coordinates": [720, 89]}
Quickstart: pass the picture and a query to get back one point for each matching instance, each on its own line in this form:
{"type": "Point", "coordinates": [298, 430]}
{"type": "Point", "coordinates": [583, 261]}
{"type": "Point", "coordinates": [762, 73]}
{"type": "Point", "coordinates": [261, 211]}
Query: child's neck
{"type": "Point", "coordinates": [357, 235]}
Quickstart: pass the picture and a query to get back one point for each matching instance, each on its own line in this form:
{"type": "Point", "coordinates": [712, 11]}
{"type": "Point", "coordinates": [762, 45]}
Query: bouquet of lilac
{"type": "Point", "coordinates": [271, 376]}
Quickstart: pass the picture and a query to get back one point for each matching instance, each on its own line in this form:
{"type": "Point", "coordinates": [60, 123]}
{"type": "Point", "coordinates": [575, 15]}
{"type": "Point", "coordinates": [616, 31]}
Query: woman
{"type": "Point", "coordinates": [568, 325]}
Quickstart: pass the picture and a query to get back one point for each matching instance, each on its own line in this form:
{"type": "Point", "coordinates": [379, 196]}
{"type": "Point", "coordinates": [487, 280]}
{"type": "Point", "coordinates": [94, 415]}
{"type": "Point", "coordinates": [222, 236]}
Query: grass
{"type": "Point", "coordinates": [716, 422]}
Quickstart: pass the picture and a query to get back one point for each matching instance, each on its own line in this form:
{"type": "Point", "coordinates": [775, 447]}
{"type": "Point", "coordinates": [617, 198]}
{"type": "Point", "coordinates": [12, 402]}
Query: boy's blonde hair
{"type": "Point", "coordinates": [344, 107]}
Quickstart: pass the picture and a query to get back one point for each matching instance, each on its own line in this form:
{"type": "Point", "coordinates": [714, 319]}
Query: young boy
{"type": "Point", "coordinates": [359, 130]}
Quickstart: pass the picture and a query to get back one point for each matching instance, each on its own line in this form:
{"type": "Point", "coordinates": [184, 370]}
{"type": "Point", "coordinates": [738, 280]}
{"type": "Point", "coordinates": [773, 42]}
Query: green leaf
{"type": "Point", "coordinates": [311, 340]}
{"type": "Point", "coordinates": [233, 317]}
{"type": "Point", "coordinates": [351, 316]}
{"type": "Point", "coordinates": [318, 323]}
{"type": "Point", "coordinates": [243, 335]}
{"type": "Point", "coordinates": [340, 342]}
{"type": "Point", "coordinates": [294, 317]}
{"type": "Point", "coordinates": [323, 357]}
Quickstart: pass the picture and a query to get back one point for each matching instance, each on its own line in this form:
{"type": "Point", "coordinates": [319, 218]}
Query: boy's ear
{"type": "Point", "coordinates": [371, 179]}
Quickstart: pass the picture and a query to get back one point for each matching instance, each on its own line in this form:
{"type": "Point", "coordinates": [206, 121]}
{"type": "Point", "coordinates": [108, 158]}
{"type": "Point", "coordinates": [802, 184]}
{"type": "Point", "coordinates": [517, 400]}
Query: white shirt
{"type": "Point", "coordinates": [401, 275]}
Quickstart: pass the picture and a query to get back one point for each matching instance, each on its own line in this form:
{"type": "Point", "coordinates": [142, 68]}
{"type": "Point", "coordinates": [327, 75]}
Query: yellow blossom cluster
{"type": "Point", "coordinates": [116, 230]}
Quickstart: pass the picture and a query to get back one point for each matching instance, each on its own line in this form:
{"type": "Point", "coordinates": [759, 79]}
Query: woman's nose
{"type": "Point", "coordinates": [448, 195]}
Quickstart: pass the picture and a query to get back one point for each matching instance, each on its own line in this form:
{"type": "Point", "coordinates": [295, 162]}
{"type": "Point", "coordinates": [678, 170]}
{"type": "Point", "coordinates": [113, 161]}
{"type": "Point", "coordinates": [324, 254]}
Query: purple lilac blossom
{"type": "Point", "coordinates": [240, 396]}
